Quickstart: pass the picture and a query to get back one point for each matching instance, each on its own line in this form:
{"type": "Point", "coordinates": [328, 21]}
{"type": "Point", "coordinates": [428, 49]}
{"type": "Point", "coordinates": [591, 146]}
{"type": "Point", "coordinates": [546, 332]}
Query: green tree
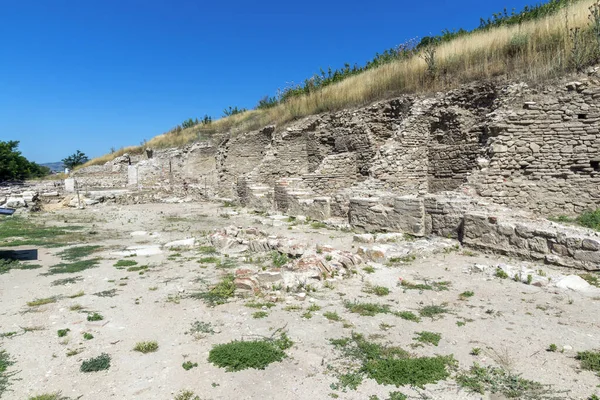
{"type": "Point", "coordinates": [13, 166]}
{"type": "Point", "coordinates": [75, 159]}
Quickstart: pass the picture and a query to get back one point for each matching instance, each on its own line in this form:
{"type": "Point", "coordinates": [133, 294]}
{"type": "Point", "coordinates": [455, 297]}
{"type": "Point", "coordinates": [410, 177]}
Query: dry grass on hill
{"type": "Point", "coordinates": [532, 51]}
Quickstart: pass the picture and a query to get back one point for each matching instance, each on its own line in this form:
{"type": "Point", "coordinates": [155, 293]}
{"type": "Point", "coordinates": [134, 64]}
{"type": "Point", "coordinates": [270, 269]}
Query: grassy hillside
{"type": "Point", "coordinates": [536, 44]}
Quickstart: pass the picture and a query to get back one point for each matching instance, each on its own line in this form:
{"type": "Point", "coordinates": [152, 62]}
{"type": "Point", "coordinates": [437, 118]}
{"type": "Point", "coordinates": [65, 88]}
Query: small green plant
{"type": "Point", "coordinates": [95, 317]}
{"type": "Point", "coordinates": [50, 396]}
{"type": "Point", "coordinates": [466, 295]}
{"type": "Point", "coordinates": [74, 352]}
{"type": "Point", "coordinates": [100, 363]}
{"type": "Point", "coordinates": [318, 225]}
{"type": "Point", "coordinates": [125, 263]}
{"type": "Point", "coordinates": [529, 279]}
{"type": "Point", "coordinates": [186, 395]}
{"type": "Point", "coordinates": [260, 314]}
{"type": "Point", "coordinates": [369, 269]}
{"type": "Point", "coordinates": [475, 351]}
{"type": "Point", "coordinates": [199, 327]}
{"type": "Point", "coordinates": [146, 347]}
{"type": "Point", "coordinates": [257, 354]}
{"type": "Point", "coordinates": [219, 294]}
{"type": "Point", "coordinates": [500, 273]}
{"type": "Point", "coordinates": [75, 253]}
{"type": "Point", "coordinates": [78, 294]}
{"type": "Point", "coordinates": [256, 304]}
{"type": "Point", "coordinates": [397, 396]}
{"type": "Point", "coordinates": [367, 309]}
{"type": "Point", "coordinates": [433, 311]}
{"type": "Point", "coordinates": [63, 332]}
{"type": "Point", "coordinates": [279, 259]}
{"type": "Point", "coordinates": [552, 348]}
{"type": "Point", "coordinates": [377, 290]}
{"type": "Point", "coordinates": [332, 316]}
{"type": "Point", "coordinates": [189, 365]}
{"type": "Point", "coordinates": [107, 293]}
{"type": "Point", "coordinates": [437, 286]}
{"type": "Point", "coordinates": [5, 376]}
{"type": "Point", "coordinates": [590, 360]}
{"type": "Point", "coordinates": [60, 282]}
{"type": "Point", "coordinates": [592, 279]}
{"type": "Point", "coordinates": [428, 337]}
{"type": "Point", "coordinates": [408, 316]}
{"type": "Point", "coordinates": [88, 336]}
{"type": "Point", "coordinates": [314, 307]}
{"type": "Point", "coordinates": [70, 268]}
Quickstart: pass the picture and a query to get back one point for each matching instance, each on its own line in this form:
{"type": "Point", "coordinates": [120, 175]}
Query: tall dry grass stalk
{"type": "Point", "coordinates": [533, 51]}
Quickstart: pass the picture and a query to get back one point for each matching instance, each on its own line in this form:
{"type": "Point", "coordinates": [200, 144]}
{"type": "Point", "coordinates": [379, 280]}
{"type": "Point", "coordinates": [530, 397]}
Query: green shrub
{"type": "Point", "coordinates": [367, 309]}
{"type": "Point", "coordinates": [63, 332]}
{"type": "Point", "coordinates": [497, 380]}
{"type": "Point", "coordinates": [260, 314]}
{"type": "Point", "coordinates": [99, 363]}
{"type": "Point", "coordinates": [219, 293]}
{"type": "Point", "coordinates": [189, 365]}
{"type": "Point", "coordinates": [590, 219]}
{"type": "Point", "coordinates": [590, 360]}
{"type": "Point", "coordinates": [240, 355]}
{"type": "Point", "coordinates": [500, 273]}
{"type": "Point", "coordinates": [95, 317]}
{"type": "Point", "coordinates": [279, 259]}
{"type": "Point", "coordinates": [428, 337]}
{"type": "Point", "coordinates": [88, 336]}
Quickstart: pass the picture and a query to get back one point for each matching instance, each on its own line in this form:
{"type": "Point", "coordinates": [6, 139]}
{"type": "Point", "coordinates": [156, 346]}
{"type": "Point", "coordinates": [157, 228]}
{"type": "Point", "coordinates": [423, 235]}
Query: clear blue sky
{"type": "Point", "coordinates": [93, 74]}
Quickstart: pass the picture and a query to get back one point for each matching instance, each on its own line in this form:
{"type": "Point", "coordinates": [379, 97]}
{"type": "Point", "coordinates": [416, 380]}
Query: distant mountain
{"type": "Point", "coordinates": [55, 166]}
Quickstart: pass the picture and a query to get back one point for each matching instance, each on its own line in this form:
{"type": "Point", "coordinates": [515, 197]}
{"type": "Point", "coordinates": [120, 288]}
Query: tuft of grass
{"type": "Point", "coordinates": [186, 395]}
{"type": "Point", "coordinates": [78, 294]}
{"type": "Point", "coordinates": [369, 269]}
{"type": "Point", "coordinates": [208, 250]}
{"type": "Point", "coordinates": [50, 396]}
{"type": "Point", "coordinates": [219, 294]}
{"type": "Point", "coordinates": [433, 311]}
{"type": "Point", "coordinates": [208, 260]}
{"type": "Point", "coordinates": [199, 327]}
{"type": "Point", "coordinates": [367, 309]}
{"type": "Point", "coordinates": [408, 315]}
{"type": "Point", "coordinates": [255, 304]}
{"type": "Point", "coordinates": [5, 376]}
{"type": "Point", "coordinates": [95, 317]}
{"type": "Point", "coordinates": [475, 351]}
{"type": "Point", "coordinates": [552, 348]}
{"type": "Point", "coordinates": [498, 380]}
{"type": "Point", "coordinates": [376, 290]}
{"type": "Point", "coordinates": [428, 337]}
{"type": "Point", "coordinates": [18, 231]}
{"type": "Point", "coordinates": [466, 295]}
{"type": "Point", "coordinates": [279, 259]}
{"type": "Point", "coordinates": [71, 268]}
{"type": "Point", "coordinates": [88, 336]}
{"type": "Point", "coordinates": [590, 219]}
{"type": "Point", "coordinates": [592, 279]}
{"type": "Point", "coordinates": [75, 253]}
{"type": "Point", "coordinates": [41, 302]}
{"type": "Point", "coordinates": [332, 316]}
{"type": "Point", "coordinates": [146, 347]}
{"type": "Point", "coordinates": [589, 360]}
{"type": "Point", "coordinates": [100, 363]}
{"type": "Point", "coordinates": [189, 365]}
{"type": "Point", "coordinates": [437, 286]}
{"type": "Point", "coordinates": [7, 265]}
{"type": "Point", "coordinates": [257, 354]}
{"type": "Point", "coordinates": [136, 269]}
{"type": "Point", "coordinates": [260, 314]}
{"type": "Point", "coordinates": [125, 263]}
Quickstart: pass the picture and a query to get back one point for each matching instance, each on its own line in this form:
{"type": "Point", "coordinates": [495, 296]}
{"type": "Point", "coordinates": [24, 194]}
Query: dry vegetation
{"type": "Point", "coordinates": [534, 50]}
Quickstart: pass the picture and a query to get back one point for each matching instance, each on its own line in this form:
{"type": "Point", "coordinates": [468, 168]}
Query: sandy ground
{"type": "Point", "coordinates": [513, 323]}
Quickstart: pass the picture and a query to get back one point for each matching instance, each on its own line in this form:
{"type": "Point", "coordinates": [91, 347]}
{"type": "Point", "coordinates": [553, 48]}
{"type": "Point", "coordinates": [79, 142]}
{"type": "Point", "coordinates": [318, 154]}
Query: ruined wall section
{"type": "Point", "coordinates": [543, 151]}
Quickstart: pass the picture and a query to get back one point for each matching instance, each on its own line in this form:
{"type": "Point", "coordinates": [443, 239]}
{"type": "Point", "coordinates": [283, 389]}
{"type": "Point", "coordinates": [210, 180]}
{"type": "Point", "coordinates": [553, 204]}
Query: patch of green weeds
{"type": "Point", "coordinates": [428, 337]}
{"type": "Point", "coordinates": [332, 316]}
{"type": "Point", "coordinates": [207, 250]}
{"type": "Point", "coordinates": [552, 348]}
{"type": "Point", "coordinates": [88, 336]}
{"type": "Point", "coordinates": [136, 269]}
{"type": "Point", "coordinates": [226, 263]}
{"type": "Point", "coordinates": [125, 263]}
{"type": "Point", "coordinates": [498, 380]}
{"type": "Point", "coordinates": [146, 347]}
{"type": "Point", "coordinates": [257, 354]}
{"type": "Point", "coordinates": [189, 365]}
{"type": "Point", "coordinates": [437, 286]}
{"type": "Point", "coordinates": [74, 352]}
{"type": "Point", "coordinates": [219, 294]}
{"type": "Point", "coordinates": [94, 317]}
{"type": "Point", "coordinates": [433, 311]}
{"type": "Point", "coordinates": [369, 269]}
{"type": "Point", "coordinates": [376, 290]}
{"type": "Point", "coordinates": [408, 316]}
{"type": "Point", "coordinates": [41, 302]}
{"type": "Point", "coordinates": [65, 281]}
{"type": "Point", "coordinates": [592, 279]}
{"type": "Point", "coordinates": [589, 360]}
{"type": "Point", "coordinates": [260, 314]}
{"type": "Point", "coordinates": [200, 327]}
{"type": "Point", "coordinates": [292, 307]}
{"type": "Point", "coordinates": [75, 253]}
{"type": "Point", "coordinates": [71, 268]}
{"type": "Point", "coordinates": [255, 304]}
{"type": "Point", "coordinates": [278, 259]}
{"type": "Point", "coordinates": [367, 309]}
{"type": "Point", "coordinates": [466, 295]}
{"type": "Point", "coordinates": [18, 231]}
{"type": "Point", "coordinates": [63, 332]}
{"type": "Point", "coordinates": [100, 363]}
{"type": "Point", "coordinates": [208, 260]}
{"type": "Point", "coordinates": [402, 260]}
{"type": "Point", "coordinates": [107, 293]}
{"type": "Point", "coordinates": [7, 265]}
{"type": "Point", "coordinates": [5, 377]}
{"type": "Point", "coordinates": [318, 225]}
{"type": "Point", "coordinates": [500, 273]}
{"type": "Point", "coordinates": [389, 365]}
{"type": "Point", "coordinates": [186, 395]}
{"type": "Point", "coordinates": [50, 396]}
{"type": "Point", "coordinates": [475, 351]}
